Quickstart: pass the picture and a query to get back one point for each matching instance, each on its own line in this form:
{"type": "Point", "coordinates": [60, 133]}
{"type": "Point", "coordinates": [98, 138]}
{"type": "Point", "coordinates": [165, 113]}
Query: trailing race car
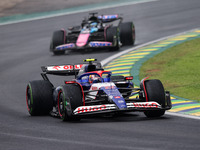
{"type": "Point", "coordinates": [105, 31]}
{"type": "Point", "coordinates": [93, 91]}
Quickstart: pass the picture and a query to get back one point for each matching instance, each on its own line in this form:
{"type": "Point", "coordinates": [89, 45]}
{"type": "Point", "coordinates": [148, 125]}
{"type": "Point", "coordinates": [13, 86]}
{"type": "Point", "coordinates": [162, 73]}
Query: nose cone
{"type": "Point", "coordinates": [79, 44]}
{"type": "Point", "coordinates": [114, 96]}
{"type": "Point", "coordinates": [120, 102]}
{"type": "Point", "coordinates": [82, 40]}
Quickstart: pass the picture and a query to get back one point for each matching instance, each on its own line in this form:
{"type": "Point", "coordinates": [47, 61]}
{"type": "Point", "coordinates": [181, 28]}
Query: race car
{"type": "Point", "coordinates": [104, 31]}
{"type": "Point", "coordinates": [93, 91]}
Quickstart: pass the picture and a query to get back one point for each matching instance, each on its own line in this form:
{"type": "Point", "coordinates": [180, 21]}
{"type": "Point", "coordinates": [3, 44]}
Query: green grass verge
{"type": "Point", "coordinates": [178, 68]}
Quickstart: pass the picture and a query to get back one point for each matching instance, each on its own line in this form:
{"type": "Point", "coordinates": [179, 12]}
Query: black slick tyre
{"type": "Point", "coordinates": [39, 97]}
{"type": "Point", "coordinates": [58, 38]}
{"type": "Point", "coordinates": [69, 98]}
{"type": "Point", "coordinates": [112, 35]}
{"type": "Point", "coordinates": [127, 33]}
{"type": "Point", "coordinates": [155, 92]}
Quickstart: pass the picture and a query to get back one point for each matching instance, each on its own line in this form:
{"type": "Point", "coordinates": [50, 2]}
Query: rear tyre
{"type": "Point", "coordinates": [127, 33]}
{"type": "Point", "coordinates": [58, 38]}
{"type": "Point", "coordinates": [39, 97]}
{"type": "Point", "coordinates": [69, 98]}
{"type": "Point", "coordinates": [155, 92]}
{"type": "Point", "coordinates": [112, 35]}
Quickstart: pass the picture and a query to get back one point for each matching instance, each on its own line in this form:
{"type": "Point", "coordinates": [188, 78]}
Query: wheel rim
{"type": "Point", "coordinates": [60, 104]}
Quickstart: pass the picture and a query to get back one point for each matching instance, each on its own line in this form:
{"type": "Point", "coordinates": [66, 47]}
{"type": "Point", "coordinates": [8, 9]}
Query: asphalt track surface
{"type": "Point", "coordinates": [24, 48]}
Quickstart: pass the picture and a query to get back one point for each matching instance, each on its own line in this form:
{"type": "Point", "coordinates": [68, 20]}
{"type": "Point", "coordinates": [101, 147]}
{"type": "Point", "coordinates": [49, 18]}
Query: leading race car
{"type": "Point", "coordinates": [104, 31]}
{"type": "Point", "coordinates": [93, 91]}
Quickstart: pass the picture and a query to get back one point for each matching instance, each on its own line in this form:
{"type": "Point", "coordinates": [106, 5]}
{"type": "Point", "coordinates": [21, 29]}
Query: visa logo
{"type": "Point", "coordinates": [100, 44]}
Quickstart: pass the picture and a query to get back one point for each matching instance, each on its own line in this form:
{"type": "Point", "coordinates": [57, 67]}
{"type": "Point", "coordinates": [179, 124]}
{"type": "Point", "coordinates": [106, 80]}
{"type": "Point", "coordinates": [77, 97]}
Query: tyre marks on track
{"type": "Point", "coordinates": [130, 63]}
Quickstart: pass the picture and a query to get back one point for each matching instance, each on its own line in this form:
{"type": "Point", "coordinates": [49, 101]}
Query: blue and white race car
{"type": "Point", "coordinates": [104, 31]}
{"type": "Point", "coordinates": [93, 91]}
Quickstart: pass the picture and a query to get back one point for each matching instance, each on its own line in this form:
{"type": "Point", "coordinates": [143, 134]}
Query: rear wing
{"type": "Point", "coordinates": [62, 70]}
{"type": "Point", "coordinates": [109, 18]}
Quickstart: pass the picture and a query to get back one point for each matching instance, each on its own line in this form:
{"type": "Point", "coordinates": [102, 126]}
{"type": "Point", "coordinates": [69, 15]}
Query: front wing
{"type": "Point", "coordinates": [93, 44]}
{"type": "Point", "coordinates": [105, 108]}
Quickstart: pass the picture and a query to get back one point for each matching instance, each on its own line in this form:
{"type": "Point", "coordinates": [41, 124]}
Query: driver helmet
{"type": "Point", "coordinates": [93, 24]}
{"type": "Point", "coordinates": [94, 79]}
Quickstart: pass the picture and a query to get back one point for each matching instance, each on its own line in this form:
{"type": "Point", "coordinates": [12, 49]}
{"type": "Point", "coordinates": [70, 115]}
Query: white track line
{"type": "Point", "coordinates": [78, 11]}
{"type": "Point", "coordinates": [182, 115]}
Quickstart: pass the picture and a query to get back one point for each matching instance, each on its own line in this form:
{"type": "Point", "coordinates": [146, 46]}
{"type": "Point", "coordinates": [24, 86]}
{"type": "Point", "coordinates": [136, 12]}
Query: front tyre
{"type": "Point", "coordinates": [69, 98]}
{"type": "Point", "coordinates": [155, 92]}
{"type": "Point", "coordinates": [39, 97]}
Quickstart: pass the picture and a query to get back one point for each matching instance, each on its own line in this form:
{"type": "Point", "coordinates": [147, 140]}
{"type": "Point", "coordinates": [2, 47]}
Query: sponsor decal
{"type": "Point", "coordinates": [117, 97]}
{"type": "Point", "coordinates": [65, 46]}
{"type": "Point", "coordinates": [107, 86]}
{"type": "Point", "coordinates": [56, 67]}
{"type": "Point", "coordinates": [100, 44]}
{"type": "Point", "coordinates": [144, 105]}
{"type": "Point", "coordinates": [107, 17]}
{"type": "Point", "coordinates": [78, 66]}
{"type": "Point", "coordinates": [110, 87]}
{"type": "Point", "coordinates": [90, 108]}
{"type": "Point", "coordinates": [120, 101]}
{"type": "Point", "coordinates": [68, 67]}
{"type": "Point", "coordinates": [64, 67]}
{"type": "Point", "coordinates": [60, 68]}
{"type": "Point", "coordinates": [94, 88]}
